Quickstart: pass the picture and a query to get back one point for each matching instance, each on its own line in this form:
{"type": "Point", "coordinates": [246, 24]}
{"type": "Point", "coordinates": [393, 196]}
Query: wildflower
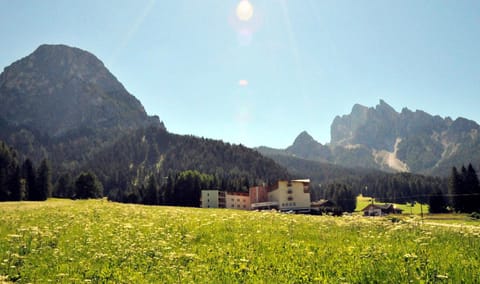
{"type": "Point", "coordinates": [410, 256]}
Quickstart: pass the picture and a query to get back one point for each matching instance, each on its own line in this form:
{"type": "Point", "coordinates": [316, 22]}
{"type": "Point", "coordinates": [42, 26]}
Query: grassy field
{"type": "Point", "coordinates": [63, 241]}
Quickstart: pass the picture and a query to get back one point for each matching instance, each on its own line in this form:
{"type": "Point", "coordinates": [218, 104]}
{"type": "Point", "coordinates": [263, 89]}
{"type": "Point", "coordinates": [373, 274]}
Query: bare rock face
{"type": "Point", "coordinates": [306, 147]}
{"type": "Point", "coordinates": [381, 138]}
{"type": "Point", "coordinates": [58, 88]}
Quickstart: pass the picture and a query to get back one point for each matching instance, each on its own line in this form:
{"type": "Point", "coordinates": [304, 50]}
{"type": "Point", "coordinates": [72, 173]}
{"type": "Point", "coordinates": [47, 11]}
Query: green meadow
{"type": "Point", "coordinates": [96, 241]}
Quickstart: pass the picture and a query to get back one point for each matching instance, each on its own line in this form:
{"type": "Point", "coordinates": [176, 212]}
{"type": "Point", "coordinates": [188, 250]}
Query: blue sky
{"type": "Point", "coordinates": [293, 66]}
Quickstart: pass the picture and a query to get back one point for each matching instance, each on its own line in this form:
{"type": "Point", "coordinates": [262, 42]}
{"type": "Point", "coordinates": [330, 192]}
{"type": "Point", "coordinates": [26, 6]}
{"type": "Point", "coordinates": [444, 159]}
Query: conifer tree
{"type": "Point", "coordinates": [64, 187]}
{"type": "Point", "coordinates": [151, 195]}
{"type": "Point", "coordinates": [10, 185]}
{"type": "Point", "coordinates": [87, 185]}
{"type": "Point", "coordinates": [43, 184]}
{"type": "Point", "coordinates": [472, 190]}
{"type": "Point", "coordinates": [455, 189]}
{"type": "Point", "coordinates": [15, 186]}
{"type": "Point", "coordinates": [28, 174]}
{"type": "Point", "coordinates": [436, 202]}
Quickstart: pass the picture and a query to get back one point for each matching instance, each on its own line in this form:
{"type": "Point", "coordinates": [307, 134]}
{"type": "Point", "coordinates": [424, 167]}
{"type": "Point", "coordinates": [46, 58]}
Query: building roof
{"type": "Point", "coordinates": [385, 206]}
{"type": "Point", "coordinates": [322, 202]}
{"type": "Point", "coordinates": [301, 180]}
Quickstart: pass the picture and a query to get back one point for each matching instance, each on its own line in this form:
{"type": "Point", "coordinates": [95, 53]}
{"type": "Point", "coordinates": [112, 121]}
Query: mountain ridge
{"type": "Point", "coordinates": [381, 138]}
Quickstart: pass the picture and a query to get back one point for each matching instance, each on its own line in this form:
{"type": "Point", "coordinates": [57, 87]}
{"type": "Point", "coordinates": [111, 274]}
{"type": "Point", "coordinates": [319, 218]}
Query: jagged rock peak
{"type": "Point", "coordinates": [303, 138]}
{"type": "Point", "coordinates": [385, 108]}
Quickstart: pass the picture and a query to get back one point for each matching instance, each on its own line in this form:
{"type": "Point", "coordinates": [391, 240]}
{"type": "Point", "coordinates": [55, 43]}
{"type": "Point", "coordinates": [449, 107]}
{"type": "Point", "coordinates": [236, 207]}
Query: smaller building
{"type": "Point", "coordinates": [324, 206]}
{"type": "Point", "coordinates": [237, 200]}
{"type": "Point", "coordinates": [213, 199]}
{"type": "Point", "coordinates": [258, 194]}
{"type": "Point", "coordinates": [381, 209]}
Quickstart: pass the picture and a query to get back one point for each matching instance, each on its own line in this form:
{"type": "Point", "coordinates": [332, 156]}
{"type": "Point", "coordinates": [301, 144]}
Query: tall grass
{"type": "Point", "coordinates": [99, 241]}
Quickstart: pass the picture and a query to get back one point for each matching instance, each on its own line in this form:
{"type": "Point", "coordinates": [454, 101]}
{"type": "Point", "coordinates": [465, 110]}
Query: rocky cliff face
{"type": "Point", "coordinates": [306, 147]}
{"type": "Point", "coordinates": [58, 88]}
{"type": "Point", "coordinates": [405, 141]}
{"type": "Point", "coordinates": [381, 138]}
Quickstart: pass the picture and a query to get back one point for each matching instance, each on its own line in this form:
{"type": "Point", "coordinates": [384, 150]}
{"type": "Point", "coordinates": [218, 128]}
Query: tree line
{"type": "Point", "coordinates": [464, 190]}
{"type": "Point", "coordinates": [23, 181]}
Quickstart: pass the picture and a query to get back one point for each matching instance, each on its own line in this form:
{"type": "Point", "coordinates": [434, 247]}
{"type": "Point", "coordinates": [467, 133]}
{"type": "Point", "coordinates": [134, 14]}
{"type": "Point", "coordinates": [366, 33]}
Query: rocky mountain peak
{"type": "Point", "coordinates": [306, 147]}
{"type": "Point", "coordinates": [74, 87]}
{"type": "Point", "coordinates": [384, 107]}
{"type": "Point", "coordinates": [304, 138]}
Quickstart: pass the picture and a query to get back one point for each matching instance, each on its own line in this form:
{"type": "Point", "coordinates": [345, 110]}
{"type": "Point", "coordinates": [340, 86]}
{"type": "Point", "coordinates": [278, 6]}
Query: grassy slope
{"type": "Point", "coordinates": [76, 241]}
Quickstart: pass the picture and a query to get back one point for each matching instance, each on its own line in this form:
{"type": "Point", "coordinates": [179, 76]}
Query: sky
{"type": "Point", "coordinates": [259, 72]}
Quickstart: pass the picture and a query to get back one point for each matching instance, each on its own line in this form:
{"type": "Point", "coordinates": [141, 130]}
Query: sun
{"type": "Point", "coordinates": [244, 10]}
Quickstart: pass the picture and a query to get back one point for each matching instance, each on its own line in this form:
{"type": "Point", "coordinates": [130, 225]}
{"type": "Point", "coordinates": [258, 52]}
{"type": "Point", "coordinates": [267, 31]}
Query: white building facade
{"type": "Point", "coordinates": [292, 195]}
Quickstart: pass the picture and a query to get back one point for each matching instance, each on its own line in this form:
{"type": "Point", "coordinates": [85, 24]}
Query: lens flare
{"type": "Point", "coordinates": [244, 10]}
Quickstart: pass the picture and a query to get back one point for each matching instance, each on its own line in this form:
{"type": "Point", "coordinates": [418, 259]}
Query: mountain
{"type": "Point", "coordinates": [382, 138]}
{"type": "Point", "coordinates": [59, 88]}
{"type": "Point", "coordinates": [304, 147]}
{"type": "Point", "coordinates": [63, 104]}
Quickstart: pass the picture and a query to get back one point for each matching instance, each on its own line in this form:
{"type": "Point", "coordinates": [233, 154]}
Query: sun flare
{"type": "Point", "coordinates": [244, 10]}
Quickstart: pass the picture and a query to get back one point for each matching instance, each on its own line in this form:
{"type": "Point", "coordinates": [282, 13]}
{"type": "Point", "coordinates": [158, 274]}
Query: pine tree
{"type": "Point", "coordinates": [5, 160]}
{"type": "Point", "coordinates": [43, 184]}
{"type": "Point", "coordinates": [28, 174]}
{"type": "Point", "coordinates": [472, 190]}
{"type": "Point", "coordinates": [436, 202]}
{"type": "Point", "coordinates": [455, 189]}
{"type": "Point", "coordinates": [151, 195]}
{"type": "Point", "coordinates": [15, 186]}
{"type": "Point", "coordinates": [10, 180]}
{"type": "Point", "coordinates": [87, 185]}
{"type": "Point", "coordinates": [64, 187]}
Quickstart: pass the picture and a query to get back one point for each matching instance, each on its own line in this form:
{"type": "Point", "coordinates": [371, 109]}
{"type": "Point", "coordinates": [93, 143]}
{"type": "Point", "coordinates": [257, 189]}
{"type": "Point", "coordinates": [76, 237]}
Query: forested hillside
{"type": "Point", "coordinates": [152, 152]}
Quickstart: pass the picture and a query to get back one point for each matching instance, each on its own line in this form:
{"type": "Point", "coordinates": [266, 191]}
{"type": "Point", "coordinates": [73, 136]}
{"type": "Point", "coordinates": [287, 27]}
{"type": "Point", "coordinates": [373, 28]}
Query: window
{"type": "Point", "coordinates": [290, 198]}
